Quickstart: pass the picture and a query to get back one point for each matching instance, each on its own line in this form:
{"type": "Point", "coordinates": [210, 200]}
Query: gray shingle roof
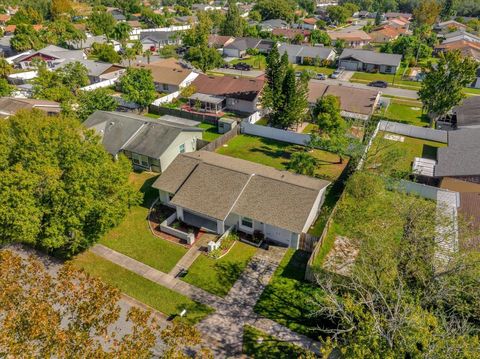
{"type": "Point", "coordinates": [305, 51]}
{"type": "Point", "coordinates": [94, 68]}
{"type": "Point", "coordinates": [462, 156]}
{"type": "Point", "coordinates": [468, 113]}
{"type": "Point", "coordinates": [372, 57]}
{"type": "Point", "coordinates": [215, 185]}
{"type": "Point", "coordinates": [139, 134]}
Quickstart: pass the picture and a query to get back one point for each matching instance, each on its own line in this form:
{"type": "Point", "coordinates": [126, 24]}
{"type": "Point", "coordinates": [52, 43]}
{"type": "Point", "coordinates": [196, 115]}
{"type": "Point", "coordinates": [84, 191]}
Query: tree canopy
{"type": "Point", "coordinates": [91, 101]}
{"type": "Point", "coordinates": [275, 9]}
{"type": "Point", "coordinates": [137, 86]}
{"type": "Point", "coordinates": [233, 24]}
{"type": "Point", "coordinates": [59, 189]}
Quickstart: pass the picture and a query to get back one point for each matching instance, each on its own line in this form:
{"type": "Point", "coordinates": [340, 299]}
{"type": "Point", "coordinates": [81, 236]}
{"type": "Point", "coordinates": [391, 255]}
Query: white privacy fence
{"type": "Point", "coordinates": [275, 133]}
{"type": "Point", "coordinates": [135, 33]}
{"type": "Point", "coordinates": [100, 84]}
{"type": "Point", "coordinates": [166, 99]}
{"type": "Point", "coordinates": [413, 131]}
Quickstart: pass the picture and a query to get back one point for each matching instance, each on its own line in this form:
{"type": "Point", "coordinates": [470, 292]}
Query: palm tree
{"type": "Point", "coordinates": [129, 55]}
{"type": "Point", "coordinates": [148, 54]}
{"type": "Point", "coordinates": [302, 163]}
{"type": "Point", "coordinates": [121, 33]}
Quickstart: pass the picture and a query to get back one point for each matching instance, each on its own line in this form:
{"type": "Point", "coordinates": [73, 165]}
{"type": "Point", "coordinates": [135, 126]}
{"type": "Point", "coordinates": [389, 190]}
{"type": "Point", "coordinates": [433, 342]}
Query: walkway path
{"type": "Point", "coordinates": [193, 253]}
{"type": "Point", "coordinates": [224, 328]}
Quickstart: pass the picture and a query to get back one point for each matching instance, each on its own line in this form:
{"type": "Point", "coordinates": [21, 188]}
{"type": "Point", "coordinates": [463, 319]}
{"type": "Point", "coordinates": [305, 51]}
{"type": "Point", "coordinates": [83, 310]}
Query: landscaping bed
{"type": "Point", "coordinates": [277, 154]}
{"type": "Point", "coordinates": [226, 244]}
{"type": "Point", "coordinates": [217, 276]}
{"type": "Point", "coordinates": [152, 294]}
{"type": "Point", "coordinates": [133, 236]}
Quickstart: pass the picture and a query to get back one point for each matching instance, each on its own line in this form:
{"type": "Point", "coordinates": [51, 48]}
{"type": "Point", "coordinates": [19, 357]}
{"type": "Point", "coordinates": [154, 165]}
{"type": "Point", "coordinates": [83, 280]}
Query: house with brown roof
{"type": "Point", "coordinates": [309, 24]}
{"type": "Point", "coordinates": [353, 38]}
{"type": "Point", "coordinates": [291, 34]}
{"type": "Point", "coordinates": [217, 93]}
{"type": "Point", "coordinates": [219, 41]}
{"type": "Point", "coordinates": [217, 192]}
{"type": "Point", "coordinates": [384, 34]}
{"type": "Point", "coordinates": [10, 106]}
{"type": "Point", "coordinates": [354, 102]}
{"type": "Point", "coordinates": [4, 18]}
{"type": "Point", "coordinates": [170, 75]}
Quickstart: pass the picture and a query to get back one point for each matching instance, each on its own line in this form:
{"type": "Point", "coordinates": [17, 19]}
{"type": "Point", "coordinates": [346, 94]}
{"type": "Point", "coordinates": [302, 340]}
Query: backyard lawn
{"type": "Point", "coordinates": [211, 133]}
{"type": "Point", "coordinates": [144, 290]}
{"type": "Point", "coordinates": [257, 344]}
{"type": "Point", "coordinates": [287, 299]}
{"type": "Point", "coordinates": [405, 111]}
{"type": "Point", "coordinates": [133, 237]}
{"type": "Point", "coordinates": [217, 276]}
{"type": "Point", "coordinates": [409, 149]}
{"type": "Point", "coordinates": [277, 154]}
{"type": "Point", "coordinates": [257, 61]}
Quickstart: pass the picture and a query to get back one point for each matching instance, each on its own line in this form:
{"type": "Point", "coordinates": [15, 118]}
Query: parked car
{"type": "Point", "coordinates": [378, 83]}
{"type": "Point", "coordinates": [338, 72]}
{"type": "Point", "coordinates": [242, 66]}
{"type": "Point", "coordinates": [320, 77]}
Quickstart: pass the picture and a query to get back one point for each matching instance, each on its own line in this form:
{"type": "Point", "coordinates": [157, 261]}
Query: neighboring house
{"type": "Point", "coordinates": [384, 34]}
{"type": "Point", "coordinates": [239, 47]}
{"type": "Point", "coordinates": [291, 34]}
{"type": "Point", "coordinates": [205, 7]}
{"type": "Point", "coordinates": [52, 55]}
{"type": "Point", "coordinates": [186, 20]}
{"type": "Point", "coordinates": [218, 93]}
{"type": "Point", "coordinates": [98, 71]}
{"type": "Point", "coordinates": [352, 38]}
{"type": "Point", "coordinates": [10, 106]}
{"type": "Point", "coordinates": [150, 144]}
{"type": "Point", "coordinates": [449, 26]}
{"type": "Point", "coordinates": [308, 24]}
{"type": "Point", "coordinates": [6, 49]}
{"type": "Point", "coordinates": [393, 15]}
{"type": "Point", "coordinates": [355, 103]}
{"type": "Point", "coordinates": [4, 18]}
{"type": "Point", "coordinates": [217, 192]}
{"type": "Point", "coordinates": [90, 40]}
{"type": "Point", "coordinates": [460, 35]}
{"type": "Point", "coordinates": [464, 116]}
{"type": "Point", "coordinates": [299, 54]}
{"type": "Point", "coordinates": [272, 24]}
{"type": "Point", "coordinates": [117, 14]}
{"type": "Point", "coordinates": [154, 40]}
{"type": "Point", "coordinates": [461, 158]}
{"type": "Point", "coordinates": [369, 61]}
{"type": "Point", "coordinates": [170, 75]}
{"type": "Point", "coordinates": [219, 41]}
{"type": "Point", "coordinates": [399, 23]}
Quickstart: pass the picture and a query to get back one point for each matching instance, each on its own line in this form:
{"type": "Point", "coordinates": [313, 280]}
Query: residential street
{"type": "Point", "coordinates": [392, 91]}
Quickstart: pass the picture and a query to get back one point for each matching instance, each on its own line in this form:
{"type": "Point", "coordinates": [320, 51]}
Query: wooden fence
{"type": "Point", "coordinates": [220, 141]}
{"type": "Point", "coordinates": [308, 242]}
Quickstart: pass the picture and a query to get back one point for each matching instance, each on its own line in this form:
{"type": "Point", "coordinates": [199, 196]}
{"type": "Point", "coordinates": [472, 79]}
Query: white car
{"type": "Point", "coordinates": [336, 74]}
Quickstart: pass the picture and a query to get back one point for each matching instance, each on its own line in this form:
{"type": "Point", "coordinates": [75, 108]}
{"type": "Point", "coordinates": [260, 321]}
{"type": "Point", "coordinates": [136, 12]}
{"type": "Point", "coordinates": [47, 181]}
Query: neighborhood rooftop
{"type": "Point", "coordinates": [372, 57]}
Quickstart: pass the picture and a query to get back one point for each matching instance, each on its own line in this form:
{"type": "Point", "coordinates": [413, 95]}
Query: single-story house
{"type": "Point", "coordinates": [353, 38]}
{"type": "Point", "coordinates": [399, 23]}
{"type": "Point", "coordinates": [355, 103]}
{"type": "Point", "coordinates": [460, 35]}
{"type": "Point", "coordinates": [154, 40]}
{"type": "Point", "coordinates": [384, 34]}
{"type": "Point", "coordinates": [217, 192]}
{"type": "Point", "coordinates": [186, 20]}
{"type": "Point", "coordinates": [98, 70]}
{"type": "Point", "coordinates": [291, 34]}
{"type": "Point", "coordinates": [9, 106]}
{"type": "Point", "coordinates": [151, 144]}
{"type": "Point", "coordinates": [90, 40]}
{"type": "Point", "coordinates": [239, 47]}
{"type": "Point", "coordinates": [117, 14]}
{"type": "Point", "coordinates": [298, 54]}
{"type": "Point", "coordinates": [392, 15]}
{"type": "Point", "coordinates": [52, 55]}
{"type": "Point", "coordinates": [308, 24]}
{"type": "Point", "coordinates": [219, 41]}
{"type": "Point", "coordinates": [218, 93]}
{"type": "Point", "coordinates": [205, 7]}
{"type": "Point", "coordinates": [272, 24]}
{"type": "Point", "coordinates": [369, 61]}
{"type": "Point", "coordinates": [449, 26]}
{"type": "Point", "coordinates": [466, 115]}
{"type": "Point", "coordinates": [170, 75]}
{"type": "Point", "coordinates": [4, 19]}
{"type": "Point", "coordinates": [461, 158]}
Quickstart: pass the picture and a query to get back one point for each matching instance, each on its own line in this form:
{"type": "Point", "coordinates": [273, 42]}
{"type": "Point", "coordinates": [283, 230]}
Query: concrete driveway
{"type": "Point", "coordinates": [233, 72]}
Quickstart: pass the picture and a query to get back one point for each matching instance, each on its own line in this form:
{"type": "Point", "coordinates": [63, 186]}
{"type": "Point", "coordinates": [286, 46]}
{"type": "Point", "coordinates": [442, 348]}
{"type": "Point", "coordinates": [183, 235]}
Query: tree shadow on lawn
{"type": "Point", "coordinates": [295, 269]}
{"type": "Point", "coordinates": [227, 273]}
{"type": "Point", "coordinates": [150, 194]}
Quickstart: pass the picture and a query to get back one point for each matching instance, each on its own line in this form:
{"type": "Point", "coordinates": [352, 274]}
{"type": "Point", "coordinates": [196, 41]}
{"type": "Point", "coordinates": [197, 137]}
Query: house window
{"type": "Point", "coordinates": [181, 148]}
{"type": "Point", "coordinates": [165, 87]}
{"type": "Point", "coordinates": [140, 160]}
{"type": "Point", "coordinates": [247, 222]}
{"type": "Point", "coordinates": [389, 69]}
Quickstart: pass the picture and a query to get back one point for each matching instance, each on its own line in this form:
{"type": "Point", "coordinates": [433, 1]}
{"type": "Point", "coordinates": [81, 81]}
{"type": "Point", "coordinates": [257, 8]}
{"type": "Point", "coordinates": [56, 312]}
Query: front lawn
{"type": "Point", "coordinates": [211, 132]}
{"type": "Point", "coordinates": [144, 290]}
{"type": "Point", "coordinates": [258, 62]}
{"type": "Point", "coordinates": [287, 299]}
{"type": "Point", "coordinates": [133, 237]}
{"type": "Point", "coordinates": [317, 69]}
{"type": "Point", "coordinates": [217, 276]}
{"type": "Point", "coordinates": [277, 154]}
{"type": "Point", "coordinates": [257, 344]}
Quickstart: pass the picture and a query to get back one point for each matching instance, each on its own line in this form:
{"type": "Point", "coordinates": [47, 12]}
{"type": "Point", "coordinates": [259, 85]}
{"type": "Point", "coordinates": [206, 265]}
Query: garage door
{"type": "Point", "coordinates": [349, 65]}
{"type": "Point", "coordinates": [277, 234]}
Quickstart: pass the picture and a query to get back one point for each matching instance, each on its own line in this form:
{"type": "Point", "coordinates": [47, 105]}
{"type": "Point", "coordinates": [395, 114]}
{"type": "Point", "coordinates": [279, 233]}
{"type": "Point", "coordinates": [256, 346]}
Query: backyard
{"type": "Point", "coordinates": [287, 299]}
{"type": "Point", "coordinates": [277, 154]}
{"type": "Point", "coordinates": [211, 133]}
{"type": "Point", "coordinates": [217, 276]}
{"type": "Point", "coordinates": [405, 111]}
{"type": "Point", "coordinates": [133, 237]}
{"type": "Point", "coordinates": [160, 298]}
{"type": "Point", "coordinates": [256, 61]}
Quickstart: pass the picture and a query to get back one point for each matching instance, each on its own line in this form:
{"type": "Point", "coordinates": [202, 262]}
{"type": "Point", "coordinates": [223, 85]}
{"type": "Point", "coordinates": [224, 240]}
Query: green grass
{"type": "Point", "coordinates": [409, 112]}
{"type": "Point", "coordinates": [311, 127]}
{"type": "Point", "coordinates": [133, 237]}
{"type": "Point", "coordinates": [257, 344]}
{"type": "Point", "coordinates": [262, 122]}
{"type": "Point", "coordinates": [287, 299]}
{"type": "Point", "coordinates": [277, 154]}
{"type": "Point", "coordinates": [211, 132]}
{"type": "Point", "coordinates": [217, 276]}
{"type": "Point", "coordinates": [410, 148]}
{"type": "Point", "coordinates": [151, 115]}
{"type": "Point", "coordinates": [257, 61]}
{"type": "Point", "coordinates": [144, 290]}
{"type": "Point", "coordinates": [317, 69]}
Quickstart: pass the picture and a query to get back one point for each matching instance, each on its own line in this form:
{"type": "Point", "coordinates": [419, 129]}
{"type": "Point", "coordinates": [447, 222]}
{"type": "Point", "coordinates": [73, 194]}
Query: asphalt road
{"type": "Point", "coordinates": [391, 91]}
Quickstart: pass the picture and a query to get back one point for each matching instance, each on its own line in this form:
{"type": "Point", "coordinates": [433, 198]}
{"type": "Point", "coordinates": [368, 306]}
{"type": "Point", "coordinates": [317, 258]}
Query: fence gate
{"type": "Point", "coordinates": [308, 242]}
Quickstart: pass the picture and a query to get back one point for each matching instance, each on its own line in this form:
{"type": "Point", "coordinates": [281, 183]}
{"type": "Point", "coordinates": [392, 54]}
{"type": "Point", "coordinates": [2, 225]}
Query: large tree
{"type": "Point", "coordinates": [91, 101]}
{"type": "Point", "coordinates": [442, 87]}
{"type": "Point", "coordinates": [275, 9]}
{"type": "Point", "coordinates": [59, 189]}
{"type": "Point", "coordinates": [233, 24]}
{"type": "Point", "coordinates": [204, 57]}
{"type": "Point", "coordinates": [137, 86]}
{"type": "Point", "coordinates": [426, 12]}
{"type": "Point", "coordinates": [26, 38]}
{"type": "Point", "coordinates": [101, 22]}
